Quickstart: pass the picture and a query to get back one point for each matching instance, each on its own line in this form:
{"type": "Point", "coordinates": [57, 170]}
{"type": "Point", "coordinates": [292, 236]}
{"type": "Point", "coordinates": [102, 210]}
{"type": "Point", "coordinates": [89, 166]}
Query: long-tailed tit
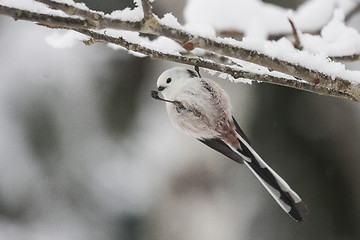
{"type": "Point", "coordinates": [201, 108]}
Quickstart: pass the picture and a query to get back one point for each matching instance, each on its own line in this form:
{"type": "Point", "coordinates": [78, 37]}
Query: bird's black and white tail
{"type": "Point", "coordinates": [288, 200]}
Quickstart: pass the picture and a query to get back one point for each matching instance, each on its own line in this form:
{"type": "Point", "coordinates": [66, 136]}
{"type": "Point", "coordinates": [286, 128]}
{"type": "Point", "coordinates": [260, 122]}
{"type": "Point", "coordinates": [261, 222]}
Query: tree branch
{"type": "Point", "coordinates": [234, 71]}
{"type": "Point", "coordinates": [19, 14]}
{"type": "Point", "coordinates": [147, 8]}
{"type": "Point", "coordinates": [152, 26]}
{"type": "Point", "coordinates": [314, 80]}
{"type": "Point", "coordinates": [93, 20]}
{"type": "Point", "coordinates": [74, 11]}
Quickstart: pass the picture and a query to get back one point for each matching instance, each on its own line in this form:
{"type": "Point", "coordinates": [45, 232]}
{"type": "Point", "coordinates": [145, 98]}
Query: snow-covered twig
{"type": "Point", "coordinates": [83, 19]}
{"type": "Point", "coordinates": [65, 22]}
{"type": "Point", "coordinates": [233, 70]}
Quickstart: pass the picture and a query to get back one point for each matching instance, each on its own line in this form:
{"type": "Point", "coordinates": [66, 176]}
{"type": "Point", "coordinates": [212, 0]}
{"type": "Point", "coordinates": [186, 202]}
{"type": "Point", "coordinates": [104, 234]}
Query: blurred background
{"type": "Point", "coordinates": [85, 153]}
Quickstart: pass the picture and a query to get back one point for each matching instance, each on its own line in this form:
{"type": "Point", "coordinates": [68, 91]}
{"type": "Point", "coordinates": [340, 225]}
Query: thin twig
{"type": "Point", "coordinates": [346, 58]}
{"type": "Point", "coordinates": [52, 26]}
{"type": "Point", "coordinates": [147, 8]}
{"type": "Point", "coordinates": [297, 43]}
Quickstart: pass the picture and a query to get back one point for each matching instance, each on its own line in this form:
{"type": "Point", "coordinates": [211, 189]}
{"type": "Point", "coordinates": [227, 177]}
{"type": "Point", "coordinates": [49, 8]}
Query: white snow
{"type": "Point", "coordinates": [308, 17]}
{"type": "Point", "coordinates": [248, 67]}
{"type": "Point", "coordinates": [199, 29]}
{"type": "Point", "coordinates": [127, 14]}
{"type": "Point", "coordinates": [245, 15]}
{"type": "Point", "coordinates": [34, 6]}
{"type": "Point", "coordinates": [336, 39]}
{"type": "Point", "coordinates": [162, 44]}
{"type": "Point", "coordinates": [170, 20]}
{"type": "Point", "coordinates": [118, 47]}
{"type": "Point", "coordinates": [258, 19]}
{"type": "Point", "coordinates": [64, 40]}
{"type": "Point", "coordinates": [69, 39]}
{"type": "Point", "coordinates": [193, 28]}
{"type": "Point", "coordinates": [284, 50]}
{"type": "Point", "coordinates": [79, 5]}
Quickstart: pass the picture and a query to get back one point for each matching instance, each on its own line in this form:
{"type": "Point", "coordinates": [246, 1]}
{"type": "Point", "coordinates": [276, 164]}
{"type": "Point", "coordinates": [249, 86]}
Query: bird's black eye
{"type": "Point", "coordinates": [168, 80]}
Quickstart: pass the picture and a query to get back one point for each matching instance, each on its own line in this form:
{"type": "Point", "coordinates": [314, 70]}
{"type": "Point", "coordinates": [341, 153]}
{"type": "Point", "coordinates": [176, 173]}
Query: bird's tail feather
{"type": "Point", "coordinates": [289, 200]}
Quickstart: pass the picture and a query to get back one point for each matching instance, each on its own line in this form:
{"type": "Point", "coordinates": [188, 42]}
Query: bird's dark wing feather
{"type": "Point", "coordinates": [240, 131]}
{"type": "Point", "coordinates": [218, 145]}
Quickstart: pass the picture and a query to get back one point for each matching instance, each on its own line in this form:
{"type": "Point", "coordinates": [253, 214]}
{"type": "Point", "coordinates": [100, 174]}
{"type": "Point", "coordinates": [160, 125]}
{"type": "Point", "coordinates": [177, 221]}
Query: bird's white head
{"type": "Point", "coordinates": [173, 79]}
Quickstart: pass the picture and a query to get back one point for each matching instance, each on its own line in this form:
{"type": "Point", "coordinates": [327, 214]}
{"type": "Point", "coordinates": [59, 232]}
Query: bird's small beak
{"type": "Point", "coordinates": [161, 88]}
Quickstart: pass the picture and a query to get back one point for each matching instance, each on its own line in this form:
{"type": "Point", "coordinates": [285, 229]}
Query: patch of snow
{"type": "Point", "coordinates": [65, 40]}
{"type": "Point", "coordinates": [308, 17]}
{"type": "Point", "coordinates": [79, 5]}
{"type": "Point", "coordinates": [200, 29]}
{"type": "Point", "coordinates": [336, 39]}
{"type": "Point", "coordinates": [284, 50]}
{"type": "Point", "coordinates": [117, 47]}
{"type": "Point", "coordinates": [246, 15]}
{"type": "Point", "coordinates": [162, 44]}
{"type": "Point", "coordinates": [258, 19]}
{"type": "Point", "coordinates": [128, 14]}
{"type": "Point", "coordinates": [34, 6]}
{"type": "Point", "coordinates": [170, 20]}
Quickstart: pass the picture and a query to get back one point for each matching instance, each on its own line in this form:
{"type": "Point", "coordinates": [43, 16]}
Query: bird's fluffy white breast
{"type": "Point", "coordinates": [210, 105]}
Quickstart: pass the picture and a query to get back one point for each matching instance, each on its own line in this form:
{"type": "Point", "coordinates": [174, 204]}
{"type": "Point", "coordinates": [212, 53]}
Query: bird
{"type": "Point", "coordinates": [199, 107]}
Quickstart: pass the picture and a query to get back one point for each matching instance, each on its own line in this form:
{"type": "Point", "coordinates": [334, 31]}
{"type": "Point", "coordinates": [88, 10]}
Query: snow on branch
{"type": "Point", "coordinates": [233, 70]}
{"type": "Point", "coordinates": [252, 58]}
